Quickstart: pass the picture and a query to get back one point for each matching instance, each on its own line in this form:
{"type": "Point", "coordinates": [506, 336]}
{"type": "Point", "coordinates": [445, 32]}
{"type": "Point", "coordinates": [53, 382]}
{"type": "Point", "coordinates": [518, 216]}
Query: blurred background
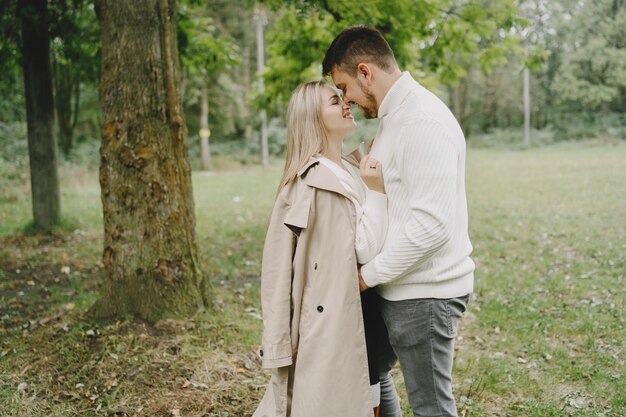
{"type": "Point", "coordinates": [473, 56]}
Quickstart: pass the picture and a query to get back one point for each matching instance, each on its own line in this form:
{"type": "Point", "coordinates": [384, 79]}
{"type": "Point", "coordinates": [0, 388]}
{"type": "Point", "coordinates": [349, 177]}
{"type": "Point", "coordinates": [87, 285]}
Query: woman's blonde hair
{"type": "Point", "coordinates": [306, 133]}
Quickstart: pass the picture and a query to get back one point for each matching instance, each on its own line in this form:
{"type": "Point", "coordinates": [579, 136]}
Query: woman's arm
{"type": "Point", "coordinates": [276, 272]}
{"type": "Point", "coordinates": [372, 219]}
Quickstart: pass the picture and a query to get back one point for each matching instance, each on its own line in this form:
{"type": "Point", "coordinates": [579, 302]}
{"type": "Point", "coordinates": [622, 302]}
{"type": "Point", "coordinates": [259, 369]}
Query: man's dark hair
{"type": "Point", "coordinates": [358, 44]}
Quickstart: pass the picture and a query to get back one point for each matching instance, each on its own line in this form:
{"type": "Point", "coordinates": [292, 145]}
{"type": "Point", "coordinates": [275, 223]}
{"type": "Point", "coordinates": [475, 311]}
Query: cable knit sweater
{"type": "Point", "coordinates": [422, 150]}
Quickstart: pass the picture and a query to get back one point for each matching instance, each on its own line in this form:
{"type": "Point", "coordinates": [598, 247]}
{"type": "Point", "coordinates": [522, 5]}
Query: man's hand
{"type": "Point", "coordinates": [362, 285]}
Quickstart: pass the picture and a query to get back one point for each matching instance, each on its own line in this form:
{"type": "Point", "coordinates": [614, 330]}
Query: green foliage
{"type": "Point", "coordinates": [211, 38]}
{"type": "Point", "coordinates": [12, 104]}
{"type": "Point", "coordinates": [75, 37]}
{"type": "Point", "coordinates": [427, 36]}
{"type": "Point", "coordinates": [592, 75]}
{"type": "Point", "coordinates": [9, 39]}
{"type": "Point", "coordinates": [12, 100]}
{"type": "Point", "coordinates": [584, 125]}
{"type": "Point", "coordinates": [296, 46]}
{"type": "Point", "coordinates": [204, 48]}
{"type": "Point", "coordinates": [510, 138]}
{"type": "Point", "coordinates": [75, 61]}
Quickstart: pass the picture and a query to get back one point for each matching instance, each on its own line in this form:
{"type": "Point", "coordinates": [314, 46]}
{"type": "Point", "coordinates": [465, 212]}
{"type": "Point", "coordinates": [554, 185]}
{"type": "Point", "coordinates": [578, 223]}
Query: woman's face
{"type": "Point", "coordinates": [336, 113]}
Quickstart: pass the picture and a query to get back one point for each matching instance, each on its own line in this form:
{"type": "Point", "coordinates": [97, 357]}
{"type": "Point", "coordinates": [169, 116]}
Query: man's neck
{"type": "Point", "coordinates": [386, 81]}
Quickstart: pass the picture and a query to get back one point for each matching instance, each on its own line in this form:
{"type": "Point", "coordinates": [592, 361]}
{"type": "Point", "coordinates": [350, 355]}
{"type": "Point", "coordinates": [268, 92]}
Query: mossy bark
{"type": "Point", "coordinates": [150, 254]}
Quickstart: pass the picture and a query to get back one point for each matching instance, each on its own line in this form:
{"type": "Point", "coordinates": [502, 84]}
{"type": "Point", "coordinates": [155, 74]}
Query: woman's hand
{"type": "Point", "coordinates": [371, 172]}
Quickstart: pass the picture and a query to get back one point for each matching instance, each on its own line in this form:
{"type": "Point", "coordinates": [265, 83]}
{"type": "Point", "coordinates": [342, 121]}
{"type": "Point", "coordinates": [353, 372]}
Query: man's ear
{"type": "Point", "coordinates": [364, 73]}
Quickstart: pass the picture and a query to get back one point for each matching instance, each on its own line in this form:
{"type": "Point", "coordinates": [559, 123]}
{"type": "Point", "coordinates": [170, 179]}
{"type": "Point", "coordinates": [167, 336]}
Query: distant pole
{"type": "Point", "coordinates": [261, 20]}
{"type": "Point", "coordinates": [205, 132]}
{"type": "Point", "coordinates": [246, 81]}
{"type": "Point", "coordinates": [526, 107]}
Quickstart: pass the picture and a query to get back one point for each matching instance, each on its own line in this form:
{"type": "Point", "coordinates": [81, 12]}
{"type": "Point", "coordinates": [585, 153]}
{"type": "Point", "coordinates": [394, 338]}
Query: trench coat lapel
{"type": "Point", "coordinates": [318, 176]}
{"type": "Point", "coordinates": [315, 175]}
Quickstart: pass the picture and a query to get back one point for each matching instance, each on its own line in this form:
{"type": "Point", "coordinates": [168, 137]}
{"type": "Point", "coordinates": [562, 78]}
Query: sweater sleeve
{"type": "Point", "coordinates": [371, 227]}
{"type": "Point", "coordinates": [427, 163]}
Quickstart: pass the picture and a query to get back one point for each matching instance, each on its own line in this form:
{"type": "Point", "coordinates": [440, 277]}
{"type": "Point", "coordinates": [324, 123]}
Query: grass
{"type": "Point", "coordinates": [543, 336]}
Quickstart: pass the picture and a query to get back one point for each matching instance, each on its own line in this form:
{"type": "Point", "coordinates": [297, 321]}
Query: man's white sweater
{"type": "Point", "coordinates": [422, 150]}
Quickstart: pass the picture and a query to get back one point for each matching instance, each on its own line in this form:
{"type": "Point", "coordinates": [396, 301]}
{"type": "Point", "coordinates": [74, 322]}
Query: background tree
{"type": "Point", "coordinates": [206, 52]}
{"type": "Point", "coordinates": [42, 147]}
{"type": "Point", "coordinates": [592, 74]}
{"type": "Point", "coordinates": [75, 61]}
{"type": "Point", "coordinates": [150, 255]}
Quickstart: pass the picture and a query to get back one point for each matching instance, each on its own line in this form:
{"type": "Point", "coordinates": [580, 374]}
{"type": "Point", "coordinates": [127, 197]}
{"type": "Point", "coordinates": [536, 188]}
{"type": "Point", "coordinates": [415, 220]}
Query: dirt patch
{"type": "Point", "coordinates": [34, 277]}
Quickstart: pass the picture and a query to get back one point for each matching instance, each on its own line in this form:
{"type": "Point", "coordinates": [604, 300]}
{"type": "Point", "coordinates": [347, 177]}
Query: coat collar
{"type": "Point", "coordinates": [317, 175]}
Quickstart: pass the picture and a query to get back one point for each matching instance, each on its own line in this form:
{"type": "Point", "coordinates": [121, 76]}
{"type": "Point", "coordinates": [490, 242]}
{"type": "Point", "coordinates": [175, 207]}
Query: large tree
{"type": "Point", "coordinates": [150, 254]}
{"type": "Point", "coordinates": [42, 148]}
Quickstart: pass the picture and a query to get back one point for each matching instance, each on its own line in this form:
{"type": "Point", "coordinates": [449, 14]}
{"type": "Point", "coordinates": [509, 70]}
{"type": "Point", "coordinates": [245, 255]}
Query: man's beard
{"type": "Point", "coordinates": [369, 108]}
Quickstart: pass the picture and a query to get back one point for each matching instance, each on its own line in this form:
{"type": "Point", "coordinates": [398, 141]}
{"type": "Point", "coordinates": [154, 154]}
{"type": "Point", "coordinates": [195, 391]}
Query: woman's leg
{"type": "Point", "coordinates": [386, 359]}
{"type": "Point", "coordinates": [372, 321]}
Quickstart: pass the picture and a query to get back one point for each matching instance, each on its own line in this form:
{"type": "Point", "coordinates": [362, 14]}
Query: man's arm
{"type": "Point", "coordinates": [427, 160]}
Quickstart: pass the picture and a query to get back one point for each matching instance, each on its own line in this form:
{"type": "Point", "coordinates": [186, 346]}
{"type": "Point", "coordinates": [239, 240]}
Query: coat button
{"type": "Point", "coordinates": [320, 308]}
{"type": "Point", "coordinates": [315, 266]}
{"type": "Point", "coordinates": [261, 352]}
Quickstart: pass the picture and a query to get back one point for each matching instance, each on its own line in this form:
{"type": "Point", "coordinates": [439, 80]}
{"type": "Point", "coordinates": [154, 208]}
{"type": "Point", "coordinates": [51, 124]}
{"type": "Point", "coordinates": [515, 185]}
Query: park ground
{"type": "Point", "coordinates": [544, 334]}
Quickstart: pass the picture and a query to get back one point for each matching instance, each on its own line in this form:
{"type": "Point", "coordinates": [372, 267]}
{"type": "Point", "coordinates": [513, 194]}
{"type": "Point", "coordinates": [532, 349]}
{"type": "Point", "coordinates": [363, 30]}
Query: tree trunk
{"type": "Point", "coordinates": [461, 104]}
{"type": "Point", "coordinates": [42, 147]}
{"type": "Point", "coordinates": [260, 50]}
{"type": "Point", "coordinates": [205, 132]}
{"type": "Point", "coordinates": [247, 82]}
{"type": "Point", "coordinates": [66, 90]}
{"type": "Point", "coordinates": [150, 254]}
{"type": "Point", "coordinates": [526, 107]}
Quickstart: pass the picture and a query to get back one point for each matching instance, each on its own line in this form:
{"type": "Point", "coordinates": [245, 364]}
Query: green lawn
{"type": "Point", "coordinates": [543, 336]}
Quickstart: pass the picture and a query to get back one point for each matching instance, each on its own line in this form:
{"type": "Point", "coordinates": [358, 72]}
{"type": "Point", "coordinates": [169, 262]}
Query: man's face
{"type": "Point", "coordinates": [356, 92]}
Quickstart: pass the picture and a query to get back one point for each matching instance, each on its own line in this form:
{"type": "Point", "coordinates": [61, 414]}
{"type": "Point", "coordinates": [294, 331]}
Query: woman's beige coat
{"type": "Point", "coordinates": [313, 337]}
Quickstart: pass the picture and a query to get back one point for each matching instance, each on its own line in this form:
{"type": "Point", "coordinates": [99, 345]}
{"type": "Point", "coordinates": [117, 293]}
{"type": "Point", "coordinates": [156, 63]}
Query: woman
{"type": "Point", "coordinates": [323, 222]}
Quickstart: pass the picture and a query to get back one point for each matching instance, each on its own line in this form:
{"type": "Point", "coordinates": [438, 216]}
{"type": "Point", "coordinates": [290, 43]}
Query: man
{"type": "Point", "coordinates": [423, 274]}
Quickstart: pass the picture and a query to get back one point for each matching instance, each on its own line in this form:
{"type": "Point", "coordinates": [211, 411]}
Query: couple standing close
{"type": "Point", "coordinates": [363, 269]}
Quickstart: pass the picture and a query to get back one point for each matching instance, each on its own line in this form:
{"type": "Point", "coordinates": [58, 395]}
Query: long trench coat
{"type": "Point", "coordinates": [313, 335]}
